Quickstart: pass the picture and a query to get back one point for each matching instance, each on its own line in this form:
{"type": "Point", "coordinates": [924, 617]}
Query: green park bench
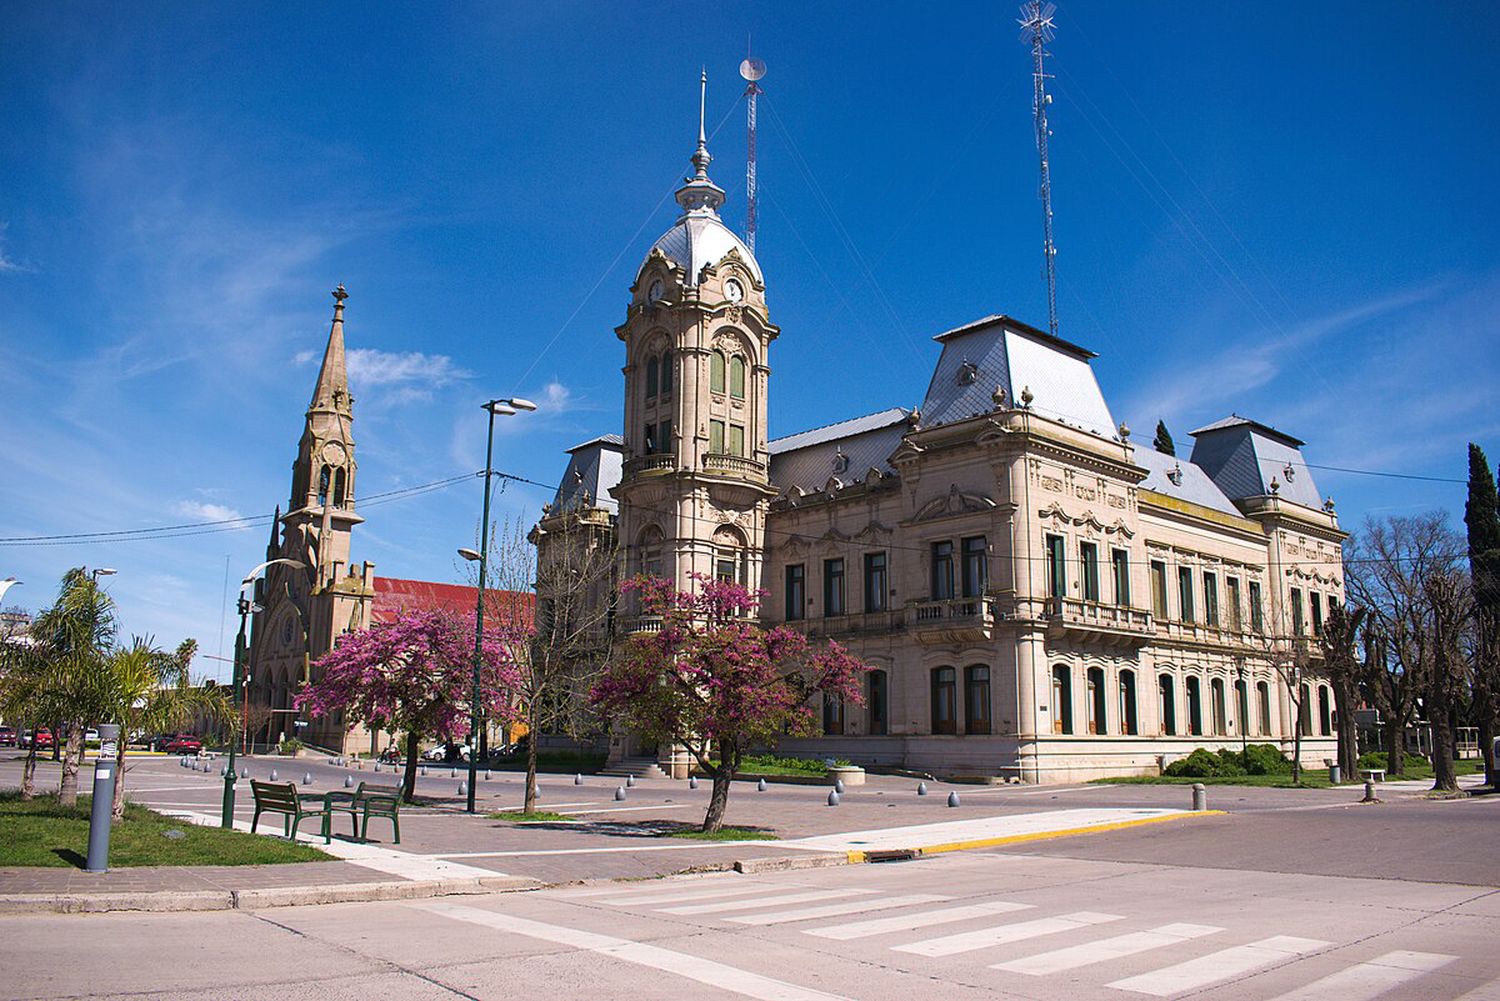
{"type": "Point", "coordinates": [283, 798]}
{"type": "Point", "coordinates": [368, 801]}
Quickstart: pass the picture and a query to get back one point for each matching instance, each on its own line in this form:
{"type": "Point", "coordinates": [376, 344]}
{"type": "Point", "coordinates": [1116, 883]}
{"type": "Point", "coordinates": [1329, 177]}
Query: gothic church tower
{"type": "Point", "coordinates": [695, 485]}
{"type": "Point", "coordinates": [305, 608]}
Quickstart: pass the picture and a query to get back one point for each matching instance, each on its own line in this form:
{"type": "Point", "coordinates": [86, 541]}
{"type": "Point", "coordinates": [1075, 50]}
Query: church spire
{"type": "Point", "coordinates": [699, 194]}
{"type": "Point", "coordinates": [331, 394]}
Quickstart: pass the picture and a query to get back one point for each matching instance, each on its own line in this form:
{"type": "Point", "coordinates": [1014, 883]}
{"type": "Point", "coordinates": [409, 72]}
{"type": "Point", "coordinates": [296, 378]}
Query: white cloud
{"type": "Point", "coordinates": [205, 512]}
{"type": "Point", "coordinates": [9, 265]}
{"type": "Point", "coordinates": [371, 367]}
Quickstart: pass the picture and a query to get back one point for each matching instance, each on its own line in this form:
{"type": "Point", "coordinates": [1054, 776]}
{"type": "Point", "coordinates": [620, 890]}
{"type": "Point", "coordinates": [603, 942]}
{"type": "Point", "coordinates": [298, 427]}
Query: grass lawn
{"type": "Point", "coordinates": [1312, 778]}
{"type": "Point", "coordinates": [39, 832]}
{"type": "Point", "coordinates": [725, 834]}
{"type": "Point", "coordinates": [521, 817]}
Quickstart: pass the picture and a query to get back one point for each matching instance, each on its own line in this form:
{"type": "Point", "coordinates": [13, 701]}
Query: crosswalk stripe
{"type": "Point", "coordinates": [1020, 931]}
{"type": "Point", "coordinates": [719, 906]}
{"type": "Point", "coordinates": [1216, 966]}
{"type": "Point", "coordinates": [1118, 947]}
{"type": "Point", "coordinates": [830, 910]}
{"type": "Point", "coordinates": [1372, 979]}
{"type": "Point", "coordinates": [718, 977]}
{"type": "Point", "coordinates": [650, 898]}
{"type": "Point", "coordinates": [880, 926]}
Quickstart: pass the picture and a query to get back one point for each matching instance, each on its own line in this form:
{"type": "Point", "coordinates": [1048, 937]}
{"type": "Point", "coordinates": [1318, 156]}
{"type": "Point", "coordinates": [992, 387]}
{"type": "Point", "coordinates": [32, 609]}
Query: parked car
{"type": "Point", "coordinates": [42, 740]}
{"type": "Point", "coordinates": [447, 752]}
{"type": "Point", "coordinates": [8, 736]}
{"type": "Point", "coordinates": [183, 743]}
{"type": "Point", "coordinates": [159, 741]}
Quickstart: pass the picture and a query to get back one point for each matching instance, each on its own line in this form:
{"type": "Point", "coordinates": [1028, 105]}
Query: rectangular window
{"type": "Point", "coordinates": [1159, 589]}
{"type": "Point", "coordinates": [1211, 600]}
{"type": "Point", "coordinates": [1296, 611]}
{"type": "Point", "coordinates": [736, 439]}
{"type": "Point", "coordinates": [650, 439]}
{"type": "Point", "coordinates": [944, 697]}
{"type": "Point", "coordinates": [977, 699]}
{"type": "Point", "coordinates": [716, 437]}
{"type": "Point", "coordinates": [1185, 594]}
{"type": "Point", "coordinates": [1257, 610]}
{"type": "Point", "coordinates": [1089, 557]}
{"type": "Point", "coordinates": [666, 373]}
{"type": "Point", "coordinates": [1315, 601]}
{"type": "Point", "coordinates": [664, 436]}
{"type": "Point", "coordinates": [976, 566]}
{"type": "Point", "coordinates": [833, 587]}
{"type": "Point", "coordinates": [796, 591]}
{"type": "Point", "coordinates": [1120, 561]}
{"type": "Point", "coordinates": [874, 582]}
{"type": "Point", "coordinates": [1232, 596]}
{"type": "Point", "coordinates": [716, 372]}
{"type": "Point", "coordinates": [651, 377]}
{"type": "Point", "coordinates": [942, 571]}
{"type": "Point", "coordinates": [1057, 573]}
{"type": "Point", "coordinates": [724, 567]}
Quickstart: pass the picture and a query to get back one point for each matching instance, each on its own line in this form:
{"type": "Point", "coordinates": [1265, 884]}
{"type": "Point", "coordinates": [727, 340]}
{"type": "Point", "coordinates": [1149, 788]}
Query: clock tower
{"type": "Point", "coordinates": [695, 485]}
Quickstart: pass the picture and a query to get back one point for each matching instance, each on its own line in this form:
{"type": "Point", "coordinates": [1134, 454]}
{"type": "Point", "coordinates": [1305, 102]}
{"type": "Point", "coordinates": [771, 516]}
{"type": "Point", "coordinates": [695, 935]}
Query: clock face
{"type": "Point", "coordinates": [333, 454]}
{"type": "Point", "coordinates": [655, 292]}
{"type": "Point", "coordinates": [733, 290]}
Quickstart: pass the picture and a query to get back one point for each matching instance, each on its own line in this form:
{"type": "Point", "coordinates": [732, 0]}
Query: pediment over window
{"type": "Point", "coordinates": [953, 502]}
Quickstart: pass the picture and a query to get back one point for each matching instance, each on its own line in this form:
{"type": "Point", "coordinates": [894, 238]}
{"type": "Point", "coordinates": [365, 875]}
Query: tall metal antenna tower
{"type": "Point", "coordinates": [752, 70]}
{"type": "Point", "coordinates": [1037, 29]}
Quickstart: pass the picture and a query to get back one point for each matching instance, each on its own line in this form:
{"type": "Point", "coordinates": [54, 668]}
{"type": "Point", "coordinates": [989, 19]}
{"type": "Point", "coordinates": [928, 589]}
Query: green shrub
{"type": "Point", "coordinates": [1265, 759]}
{"type": "Point", "coordinates": [290, 745]}
{"type": "Point", "coordinates": [1205, 764]}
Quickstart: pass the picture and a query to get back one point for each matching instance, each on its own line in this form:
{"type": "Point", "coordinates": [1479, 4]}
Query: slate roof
{"type": "Point", "coordinates": [594, 467]}
{"type": "Point", "coordinates": [1197, 486]}
{"type": "Point", "coordinates": [808, 459]}
{"type": "Point", "coordinates": [1000, 352]}
{"type": "Point", "coordinates": [1243, 456]}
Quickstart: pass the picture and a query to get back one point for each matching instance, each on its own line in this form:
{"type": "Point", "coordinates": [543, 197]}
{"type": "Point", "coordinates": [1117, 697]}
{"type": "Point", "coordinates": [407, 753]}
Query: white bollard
{"type": "Point", "coordinates": [630, 781]}
{"type": "Point", "coordinates": [273, 775]}
{"type": "Point", "coordinates": [692, 781]}
{"type": "Point", "coordinates": [486, 774]}
{"type": "Point", "coordinates": [1200, 797]}
{"type": "Point", "coordinates": [578, 780]}
{"type": "Point", "coordinates": [921, 788]}
{"type": "Point", "coordinates": [348, 781]}
{"type": "Point", "coordinates": [619, 793]}
{"type": "Point", "coordinates": [833, 797]}
{"type": "Point", "coordinates": [760, 786]}
{"type": "Point", "coordinates": [952, 799]}
{"type": "Point", "coordinates": [307, 778]}
{"type": "Point", "coordinates": [463, 788]}
{"type": "Point", "coordinates": [838, 786]}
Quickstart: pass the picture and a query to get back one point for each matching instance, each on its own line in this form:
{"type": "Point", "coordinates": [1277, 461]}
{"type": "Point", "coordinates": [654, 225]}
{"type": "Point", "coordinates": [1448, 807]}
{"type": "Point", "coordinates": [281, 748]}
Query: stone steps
{"type": "Point", "coordinates": [641, 768]}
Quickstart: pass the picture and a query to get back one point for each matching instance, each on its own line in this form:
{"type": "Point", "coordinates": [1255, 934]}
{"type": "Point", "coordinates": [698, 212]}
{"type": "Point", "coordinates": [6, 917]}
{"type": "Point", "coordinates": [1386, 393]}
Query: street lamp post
{"type": "Point", "coordinates": [507, 408]}
{"type": "Point", "coordinates": [1243, 691]}
{"type": "Point", "coordinates": [226, 819]}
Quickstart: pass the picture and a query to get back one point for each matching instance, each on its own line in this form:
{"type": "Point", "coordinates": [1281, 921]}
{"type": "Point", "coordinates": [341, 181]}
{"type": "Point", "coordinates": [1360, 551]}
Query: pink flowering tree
{"type": "Point", "coordinates": [716, 681]}
{"type": "Point", "coordinates": [414, 675]}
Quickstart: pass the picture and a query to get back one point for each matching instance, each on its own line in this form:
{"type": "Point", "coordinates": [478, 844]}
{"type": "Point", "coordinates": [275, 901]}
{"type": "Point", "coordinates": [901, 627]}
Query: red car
{"type": "Point", "coordinates": [7, 736]}
{"type": "Point", "coordinates": [183, 743]}
{"type": "Point", "coordinates": [42, 740]}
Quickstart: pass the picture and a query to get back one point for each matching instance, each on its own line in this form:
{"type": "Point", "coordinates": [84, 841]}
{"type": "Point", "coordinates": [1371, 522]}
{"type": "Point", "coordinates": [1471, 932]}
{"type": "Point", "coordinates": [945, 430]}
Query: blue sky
{"type": "Point", "coordinates": [1291, 217]}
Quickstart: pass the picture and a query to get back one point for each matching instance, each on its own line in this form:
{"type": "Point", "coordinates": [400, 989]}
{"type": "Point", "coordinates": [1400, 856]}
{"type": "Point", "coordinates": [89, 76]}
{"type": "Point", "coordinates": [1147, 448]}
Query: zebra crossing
{"type": "Point", "coordinates": [1190, 956]}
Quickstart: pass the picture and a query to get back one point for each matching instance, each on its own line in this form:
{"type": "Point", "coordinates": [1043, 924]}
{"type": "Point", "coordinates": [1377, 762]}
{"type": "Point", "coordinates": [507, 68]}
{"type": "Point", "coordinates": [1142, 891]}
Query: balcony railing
{"type": "Point", "coordinates": [732, 465]}
{"type": "Point", "coordinates": [650, 463]}
{"type": "Point", "coordinates": [953, 620]}
{"type": "Point", "coordinates": [641, 624]}
{"type": "Point", "coordinates": [1112, 623]}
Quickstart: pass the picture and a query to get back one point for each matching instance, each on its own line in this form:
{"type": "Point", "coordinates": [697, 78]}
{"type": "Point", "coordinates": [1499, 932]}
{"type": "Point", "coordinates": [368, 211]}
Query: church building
{"type": "Point", "coordinates": [1039, 597]}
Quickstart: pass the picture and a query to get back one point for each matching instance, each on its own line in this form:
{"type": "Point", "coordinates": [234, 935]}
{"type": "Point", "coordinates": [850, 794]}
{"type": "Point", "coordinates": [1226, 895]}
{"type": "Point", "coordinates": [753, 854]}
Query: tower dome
{"type": "Point", "coordinates": [699, 237]}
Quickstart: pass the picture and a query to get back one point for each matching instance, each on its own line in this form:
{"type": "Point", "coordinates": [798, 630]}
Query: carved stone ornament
{"type": "Point", "coordinates": [953, 502]}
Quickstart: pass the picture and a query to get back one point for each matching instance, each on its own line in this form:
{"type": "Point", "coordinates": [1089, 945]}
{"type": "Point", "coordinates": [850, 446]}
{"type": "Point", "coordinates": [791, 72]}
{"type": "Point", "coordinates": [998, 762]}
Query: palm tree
{"type": "Point", "coordinates": [73, 641]}
{"type": "Point", "coordinates": [148, 690]}
{"type": "Point", "coordinates": [26, 697]}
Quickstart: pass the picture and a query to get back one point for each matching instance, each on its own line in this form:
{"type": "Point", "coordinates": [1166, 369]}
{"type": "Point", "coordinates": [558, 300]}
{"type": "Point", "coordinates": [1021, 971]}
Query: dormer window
{"type": "Point", "coordinates": [968, 374]}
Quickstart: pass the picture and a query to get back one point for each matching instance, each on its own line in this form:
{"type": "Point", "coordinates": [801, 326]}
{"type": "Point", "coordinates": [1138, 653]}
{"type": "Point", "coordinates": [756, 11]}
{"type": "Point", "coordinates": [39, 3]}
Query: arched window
{"type": "Point", "coordinates": [944, 699]}
{"type": "Point", "coordinates": [1062, 699]}
{"type": "Point", "coordinates": [737, 377]}
{"type": "Point", "coordinates": [716, 372]}
{"type": "Point", "coordinates": [731, 558]}
{"type": "Point", "coordinates": [667, 375]}
{"type": "Point", "coordinates": [653, 373]}
{"type": "Point", "coordinates": [649, 546]}
{"type": "Point", "coordinates": [1305, 710]}
{"type": "Point", "coordinates": [1325, 714]}
{"type": "Point", "coordinates": [339, 482]}
{"type": "Point", "coordinates": [1242, 706]}
{"type": "Point", "coordinates": [1128, 723]}
{"type": "Point", "coordinates": [1221, 723]}
{"type": "Point", "coordinates": [833, 714]}
{"type": "Point", "coordinates": [877, 701]}
{"type": "Point", "coordinates": [1166, 697]}
{"type": "Point", "coordinates": [1096, 701]}
{"type": "Point", "coordinates": [977, 699]}
{"type": "Point", "coordinates": [1195, 706]}
{"type": "Point", "coordinates": [1263, 696]}
{"type": "Point", "coordinates": [323, 478]}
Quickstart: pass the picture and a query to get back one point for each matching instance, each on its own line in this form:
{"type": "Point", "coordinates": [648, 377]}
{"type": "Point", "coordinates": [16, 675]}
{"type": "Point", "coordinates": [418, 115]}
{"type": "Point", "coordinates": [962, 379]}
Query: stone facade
{"type": "Point", "coordinates": [1038, 597]}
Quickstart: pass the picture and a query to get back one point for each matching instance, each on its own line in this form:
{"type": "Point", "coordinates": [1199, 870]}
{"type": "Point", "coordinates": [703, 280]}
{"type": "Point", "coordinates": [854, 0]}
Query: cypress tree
{"type": "Point", "coordinates": [1482, 517]}
{"type": "Point", "coordinates": [1163, 442]}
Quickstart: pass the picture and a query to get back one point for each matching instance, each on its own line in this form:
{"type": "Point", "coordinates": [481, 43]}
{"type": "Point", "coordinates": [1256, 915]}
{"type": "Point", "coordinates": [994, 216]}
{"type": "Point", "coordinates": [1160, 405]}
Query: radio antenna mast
{"type": "Point", "coordinates": [752, 70]}
{"type": "Point", "coordinates": [1037, 29]}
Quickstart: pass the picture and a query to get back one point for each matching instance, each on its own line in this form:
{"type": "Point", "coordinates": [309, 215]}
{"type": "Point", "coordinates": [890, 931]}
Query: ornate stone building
{"type": "Point", "coordinates": [1038, 596]}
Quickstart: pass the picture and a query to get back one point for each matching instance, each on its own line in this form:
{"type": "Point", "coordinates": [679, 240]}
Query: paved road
{"type": "Point", "coordinates": [976, 925]}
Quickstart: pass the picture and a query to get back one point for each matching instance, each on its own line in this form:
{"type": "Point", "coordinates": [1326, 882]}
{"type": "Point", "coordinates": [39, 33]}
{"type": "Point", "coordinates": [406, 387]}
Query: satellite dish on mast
{"type": "Point", "coordinates": [753, 69]}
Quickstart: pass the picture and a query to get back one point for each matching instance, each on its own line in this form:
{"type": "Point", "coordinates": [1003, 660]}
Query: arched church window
{"type": "Point", "coordinates": [323, 478]}
{"type": "Point", "coordinates": [652, 377]}
{"type": "Point", "coordinates": [340, 484]}
{"type": "Point", "coordinates": [716, 372]}
{"type": "Point", "coordinates": [737, 377]}
{"type": "Point", "coordinates": [666, 372]}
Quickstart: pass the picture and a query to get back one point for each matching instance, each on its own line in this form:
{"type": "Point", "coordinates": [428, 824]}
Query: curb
{"type": "Point", "coordinates": [856, 857]}
{"type": "Point", "coordinates": [281, 896]}
{"type": "Point", "coordinates": [819, 861]}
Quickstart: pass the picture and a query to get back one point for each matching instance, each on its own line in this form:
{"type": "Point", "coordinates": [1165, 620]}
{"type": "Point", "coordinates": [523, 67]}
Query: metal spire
{"type": "Point", "coordinates": [1037, 29]}
{"type": "Point", "coordinates": [698, 193]}
{"type": "Point", "coordinates": [752, 70]}
{"type": "Point", "coordinates": [701, 159]}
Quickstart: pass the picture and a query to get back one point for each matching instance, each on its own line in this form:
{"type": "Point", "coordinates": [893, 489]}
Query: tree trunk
{"type": "Point", "coordinates": [28, 771]}
{"type": "Point", "coordinates": [1297, 740]}
{"type": "Point", "coordinates": [723, 774]}
{"type": "Point", "coordinates": [118, 808]}
{"type": "Point", "coordinates": [1348, 756]}
{"type": "Point", "coordinates": [1395, 746]}
{"type": "Point", "coordinates": [530, 804]}
{"type": "Point", "coordinates": [409, 781]}
{"type": "Point", "coordinates": [57, 732]}
{"type": "Point", "coordinates": [1487, 748]}
{"type": "Point", "coordinates": [67, 789]}
{"type": "Point", "coordinates": [1443, 777]}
